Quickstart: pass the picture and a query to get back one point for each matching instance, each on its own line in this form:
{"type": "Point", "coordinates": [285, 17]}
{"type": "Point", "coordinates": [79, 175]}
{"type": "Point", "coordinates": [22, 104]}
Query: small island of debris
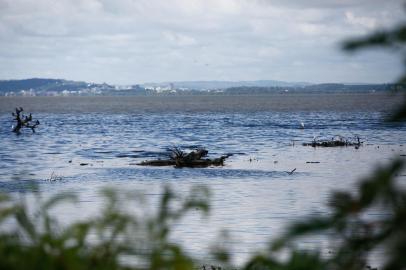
{"type": "Point", "coordinates": [335, 141]}
{"type": "Point", "coordinates": [194, 159]}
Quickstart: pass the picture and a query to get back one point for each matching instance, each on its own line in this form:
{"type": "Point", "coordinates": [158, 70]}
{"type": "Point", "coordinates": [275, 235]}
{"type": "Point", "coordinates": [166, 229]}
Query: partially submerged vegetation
{"type": "Point", "coordinates": [23, 121]}
{"type": "Point", "coordinates": [335, 141]}
{"type": "Point", "coordinates": [115, 239]}
{"type": "Point", "coordinates": [193, 159]}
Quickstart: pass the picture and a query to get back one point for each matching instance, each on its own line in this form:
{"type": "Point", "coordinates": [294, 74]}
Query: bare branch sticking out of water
{"type": "Point", "coordinates": [23, 121]}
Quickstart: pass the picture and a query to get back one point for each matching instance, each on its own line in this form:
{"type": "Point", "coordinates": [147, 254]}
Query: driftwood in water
{"type": "Point", "coordinates": [201, 162]}
{"type": "Point", "coordinates": [335, 142]}
{"type": "Point", "coordinates": [180, 159]}
{"type": "Point", "coordinates": [23, 121]}
{"type": "Point", "coordinates": [158, 162]}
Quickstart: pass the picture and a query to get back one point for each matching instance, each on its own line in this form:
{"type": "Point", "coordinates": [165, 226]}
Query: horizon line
{"type": "Point", "coordinates": [191, 81]}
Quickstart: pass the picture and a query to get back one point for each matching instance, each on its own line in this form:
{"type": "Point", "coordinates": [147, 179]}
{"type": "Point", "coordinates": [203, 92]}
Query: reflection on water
{"type": "Point", "coordinates": [94, 142]}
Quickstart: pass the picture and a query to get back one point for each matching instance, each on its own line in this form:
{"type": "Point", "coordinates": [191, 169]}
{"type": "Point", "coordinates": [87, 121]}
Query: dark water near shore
{"type": "Point", "coordinates": [252, 195]}
{"type": "Point", "coordinates": [287, 102]}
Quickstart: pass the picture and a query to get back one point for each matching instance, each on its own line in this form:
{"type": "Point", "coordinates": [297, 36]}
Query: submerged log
{"type": "Point", "coordinates": [180, 159]}
{"type": "Point", "coordinates": [201, 163]}
{"type": "Point", "coordinates": [158, 162]}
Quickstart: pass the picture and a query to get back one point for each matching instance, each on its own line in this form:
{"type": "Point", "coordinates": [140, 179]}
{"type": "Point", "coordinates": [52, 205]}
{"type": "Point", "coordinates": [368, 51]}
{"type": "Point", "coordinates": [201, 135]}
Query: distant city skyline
{"type": "Point", "coordinates": [139, 41]}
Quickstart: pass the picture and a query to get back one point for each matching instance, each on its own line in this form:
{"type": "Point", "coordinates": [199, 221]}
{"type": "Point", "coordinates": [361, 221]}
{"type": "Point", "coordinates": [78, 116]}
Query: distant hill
{"type": "Point", "coordinates": [13, 85]}
{"type": "Point", "coordinates": [60, 87]}
{"type": "Point", "coordinates": [314, 88]}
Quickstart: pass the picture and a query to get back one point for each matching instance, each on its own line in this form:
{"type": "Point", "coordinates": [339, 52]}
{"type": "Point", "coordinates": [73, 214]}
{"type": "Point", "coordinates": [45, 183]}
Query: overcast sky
{"type": "Point", "coordinates": [135, 41]}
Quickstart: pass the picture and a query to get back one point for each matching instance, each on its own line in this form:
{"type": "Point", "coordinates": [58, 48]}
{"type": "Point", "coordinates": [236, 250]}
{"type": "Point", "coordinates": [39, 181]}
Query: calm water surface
{"type": "Point", "coordinates": [253, 196]}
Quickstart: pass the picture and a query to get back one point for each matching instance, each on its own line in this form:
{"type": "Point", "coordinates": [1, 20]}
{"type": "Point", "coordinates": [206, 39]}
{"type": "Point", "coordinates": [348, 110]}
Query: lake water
{"type": "Point", "coordinates": [253, 196]}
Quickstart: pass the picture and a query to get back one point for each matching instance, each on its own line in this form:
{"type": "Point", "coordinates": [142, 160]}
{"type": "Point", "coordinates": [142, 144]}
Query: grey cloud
{"type": "Point", "coordinates": [131, 41]}
{"type": "Point", "coordinates": [332, 4]}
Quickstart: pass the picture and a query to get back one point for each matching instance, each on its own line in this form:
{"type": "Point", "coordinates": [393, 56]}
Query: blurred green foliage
{"type": "Point", "coordinates": [393, 40]}
{"type": "Point", "coordinates": [116, 239]}
{"type": "Point", "coordinates": [355, 234]}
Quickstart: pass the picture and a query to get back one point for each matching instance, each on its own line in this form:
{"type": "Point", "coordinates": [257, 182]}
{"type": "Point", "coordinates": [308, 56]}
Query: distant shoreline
{"type": "Point", "coordinates": [60, 87]}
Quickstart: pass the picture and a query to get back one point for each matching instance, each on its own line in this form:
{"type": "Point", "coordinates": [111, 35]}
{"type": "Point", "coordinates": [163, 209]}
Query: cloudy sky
{"type": "Point", "coordinates": [135, 41]}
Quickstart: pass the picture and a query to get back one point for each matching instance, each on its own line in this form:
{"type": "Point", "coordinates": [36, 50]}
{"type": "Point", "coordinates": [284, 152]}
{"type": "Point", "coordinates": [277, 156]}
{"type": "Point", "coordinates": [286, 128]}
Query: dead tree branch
{"type": "Point", "coordinates": [23, 121]}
